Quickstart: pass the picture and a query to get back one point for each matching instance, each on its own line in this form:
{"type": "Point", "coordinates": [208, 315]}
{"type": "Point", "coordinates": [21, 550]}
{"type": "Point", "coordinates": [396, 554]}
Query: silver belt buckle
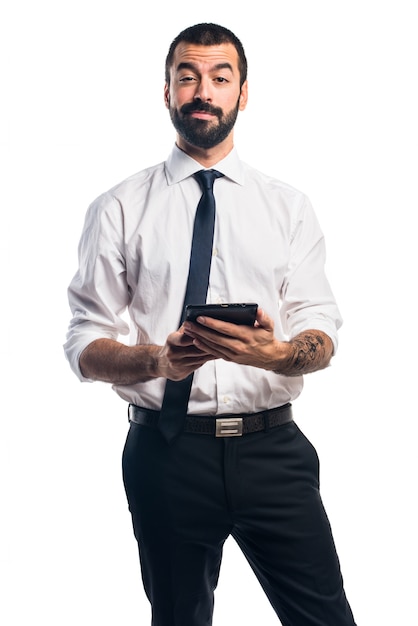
{"type": "Point", "coordinates": [228, 427]}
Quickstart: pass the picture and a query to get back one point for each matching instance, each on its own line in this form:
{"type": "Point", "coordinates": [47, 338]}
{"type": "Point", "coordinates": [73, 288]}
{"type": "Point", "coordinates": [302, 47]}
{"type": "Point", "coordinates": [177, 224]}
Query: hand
{"type": "Point", "coordinates": [248, 345]}
{"type": "Point", "coordinates": [179, 357]}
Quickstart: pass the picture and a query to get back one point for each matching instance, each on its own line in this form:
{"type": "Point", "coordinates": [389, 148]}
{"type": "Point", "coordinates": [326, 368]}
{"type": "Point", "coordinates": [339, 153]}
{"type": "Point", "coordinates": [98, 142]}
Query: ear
{"type": "Point", "coordinates": [243, 99]}
{"type": "Point", "coordinates": [167, 95]}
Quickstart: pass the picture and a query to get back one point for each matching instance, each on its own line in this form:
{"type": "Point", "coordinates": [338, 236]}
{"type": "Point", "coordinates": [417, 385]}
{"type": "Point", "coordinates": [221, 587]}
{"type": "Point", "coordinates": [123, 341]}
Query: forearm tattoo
{"type": "Point", "coordinates": [311, 351]}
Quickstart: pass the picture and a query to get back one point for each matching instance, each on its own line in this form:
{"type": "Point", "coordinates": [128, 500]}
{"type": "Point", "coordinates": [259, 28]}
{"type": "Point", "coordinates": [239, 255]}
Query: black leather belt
{"type": "Point", "coordinates": [223, 426]}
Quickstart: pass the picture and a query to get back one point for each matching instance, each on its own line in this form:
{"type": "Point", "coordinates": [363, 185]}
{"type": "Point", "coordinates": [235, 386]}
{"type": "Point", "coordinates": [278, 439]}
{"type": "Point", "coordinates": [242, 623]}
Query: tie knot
{"type": "Point", "coordinates": [206, 178]}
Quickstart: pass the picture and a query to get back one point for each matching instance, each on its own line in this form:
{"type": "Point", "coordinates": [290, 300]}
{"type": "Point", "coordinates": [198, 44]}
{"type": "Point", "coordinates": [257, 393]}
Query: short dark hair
{"type": "Point", "coordinates": [208, 35]}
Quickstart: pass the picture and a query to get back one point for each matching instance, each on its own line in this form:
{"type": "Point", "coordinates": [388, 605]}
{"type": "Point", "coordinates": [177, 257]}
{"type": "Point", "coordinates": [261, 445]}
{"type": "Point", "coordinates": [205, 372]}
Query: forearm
{"type": "Point", "coordinates": [257, 346]}
{"type": "Point", "coordinates": [307, 352]}
{"type": "Point", "coordinates": [113, 362]}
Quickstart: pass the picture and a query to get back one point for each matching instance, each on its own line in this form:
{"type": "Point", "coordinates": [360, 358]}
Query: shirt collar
{"type": "Point", "coordinates": [180, 165]}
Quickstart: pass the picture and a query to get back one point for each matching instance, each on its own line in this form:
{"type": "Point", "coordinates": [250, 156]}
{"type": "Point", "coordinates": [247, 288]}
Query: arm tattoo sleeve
{"type": "Point", "coordinates": [311, 351]}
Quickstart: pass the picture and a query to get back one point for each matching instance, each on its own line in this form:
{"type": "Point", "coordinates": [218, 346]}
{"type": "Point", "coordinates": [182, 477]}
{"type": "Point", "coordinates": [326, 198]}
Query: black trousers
{"type": "Point", "coordinates": [263, 489]}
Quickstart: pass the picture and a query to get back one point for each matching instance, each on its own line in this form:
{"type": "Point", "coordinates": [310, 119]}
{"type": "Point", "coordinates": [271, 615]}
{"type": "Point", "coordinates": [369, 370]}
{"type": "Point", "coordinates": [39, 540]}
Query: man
{"type": "Point", "coordinates": [236, 464]}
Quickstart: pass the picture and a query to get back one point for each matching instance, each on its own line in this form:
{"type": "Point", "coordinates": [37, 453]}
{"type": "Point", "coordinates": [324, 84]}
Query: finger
{"type": "Point", "coordinates": [192, 353]}
{"type": "Point", "coordinates": [179, 340]}
{"type": "Point", "coordinates": [217, 349]}
{"type": "Point", "coordinates": [223, 328]}
{"type": "Point", "coordinates": [264, 320]}
{"type": "Point", "coordinates": [207, 325]}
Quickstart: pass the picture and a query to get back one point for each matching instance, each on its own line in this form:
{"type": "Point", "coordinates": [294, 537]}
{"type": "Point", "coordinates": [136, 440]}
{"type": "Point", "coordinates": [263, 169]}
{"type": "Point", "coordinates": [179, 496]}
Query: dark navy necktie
{"type": "Point", "coordinates": [176, 395]}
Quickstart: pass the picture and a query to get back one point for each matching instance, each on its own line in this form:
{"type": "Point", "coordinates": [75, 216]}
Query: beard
{"type": "Point", "coordinates": [203, 133]}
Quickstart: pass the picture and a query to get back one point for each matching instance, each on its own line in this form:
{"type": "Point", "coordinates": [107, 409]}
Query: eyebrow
{"type": "Point", "coordinates": [191, 66]}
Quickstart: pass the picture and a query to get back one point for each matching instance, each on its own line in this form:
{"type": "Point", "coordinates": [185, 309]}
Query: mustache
{"type": "Point", "coordinates": [190, 107]}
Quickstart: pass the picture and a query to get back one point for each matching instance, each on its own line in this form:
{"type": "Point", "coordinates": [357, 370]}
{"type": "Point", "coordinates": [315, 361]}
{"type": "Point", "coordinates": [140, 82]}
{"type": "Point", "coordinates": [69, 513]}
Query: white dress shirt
{"type": "Point", "coordinates": [134, 256]}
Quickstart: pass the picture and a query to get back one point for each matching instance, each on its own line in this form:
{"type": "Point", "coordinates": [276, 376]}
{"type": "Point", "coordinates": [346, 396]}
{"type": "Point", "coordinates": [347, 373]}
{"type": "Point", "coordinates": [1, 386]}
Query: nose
{"type": "Point", "coordinates": [203, 91]}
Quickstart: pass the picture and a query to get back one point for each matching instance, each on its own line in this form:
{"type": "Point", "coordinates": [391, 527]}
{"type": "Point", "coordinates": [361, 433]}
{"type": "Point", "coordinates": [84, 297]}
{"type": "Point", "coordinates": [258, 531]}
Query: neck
{"type": "Point", "coordinates": [209, 157]}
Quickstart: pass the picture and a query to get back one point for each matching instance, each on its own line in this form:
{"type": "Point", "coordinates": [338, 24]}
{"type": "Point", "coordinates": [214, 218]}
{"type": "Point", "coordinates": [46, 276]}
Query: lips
{"type": "Point", "coordinates": [201, 115]}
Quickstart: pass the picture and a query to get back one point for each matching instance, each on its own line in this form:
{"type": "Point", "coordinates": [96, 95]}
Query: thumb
{"type": "Point", "coordinates": [264, 320]}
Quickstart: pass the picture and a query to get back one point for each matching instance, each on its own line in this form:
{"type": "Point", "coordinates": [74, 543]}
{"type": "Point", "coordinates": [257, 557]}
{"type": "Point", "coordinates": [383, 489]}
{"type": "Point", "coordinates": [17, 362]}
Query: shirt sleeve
{"type": "Point", "coordinates": [307, 298]}
{"type": "Point", "coordinates": [98, 294]}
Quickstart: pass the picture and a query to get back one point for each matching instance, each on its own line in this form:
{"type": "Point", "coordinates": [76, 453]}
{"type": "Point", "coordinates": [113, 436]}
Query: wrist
{"type": "Point", "coordinates": [157, 362]}
{"type": "Point", "coordinates": [147, 359]}
{"type": "Point", "coordinates": [284, 358]}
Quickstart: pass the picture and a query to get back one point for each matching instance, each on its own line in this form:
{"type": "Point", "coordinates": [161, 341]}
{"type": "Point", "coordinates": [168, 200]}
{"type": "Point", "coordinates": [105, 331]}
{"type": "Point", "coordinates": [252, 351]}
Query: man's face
{"type": "Point", "coordinates": [204, 95]}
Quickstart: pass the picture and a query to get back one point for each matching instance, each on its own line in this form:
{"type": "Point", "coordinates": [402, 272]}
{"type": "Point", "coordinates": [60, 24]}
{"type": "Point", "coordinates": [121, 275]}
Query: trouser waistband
{"type": "Point", "coordinates": [221, 426]}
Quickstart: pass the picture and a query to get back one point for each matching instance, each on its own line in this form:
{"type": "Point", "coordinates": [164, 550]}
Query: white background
{"type": "Point", "coordinates": [332, 111]}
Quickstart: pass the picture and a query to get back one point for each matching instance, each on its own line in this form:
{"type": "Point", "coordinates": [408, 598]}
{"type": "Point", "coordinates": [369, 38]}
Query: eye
{"type": "Point", "coordinates": [221, 79]}
{"type": "Point", "coordinates": [186, 79]}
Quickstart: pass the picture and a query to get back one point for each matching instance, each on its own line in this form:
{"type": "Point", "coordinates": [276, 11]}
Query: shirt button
{"type": "Point", "coordinates": [226, 399]}
{"type": "Point", "coordinates": [215, 252]}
